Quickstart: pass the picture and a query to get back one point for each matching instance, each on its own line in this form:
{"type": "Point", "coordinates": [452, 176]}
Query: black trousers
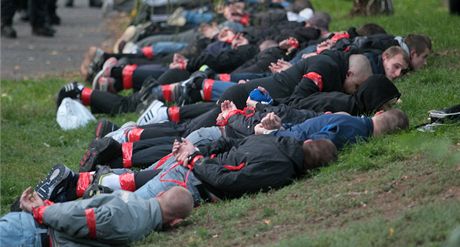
{"type": "Point", "coordinates": [8, 9]}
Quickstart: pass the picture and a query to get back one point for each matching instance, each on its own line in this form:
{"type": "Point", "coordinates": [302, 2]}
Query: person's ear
{"type": "Point", "coordinates": [308, 140]}
{"type": "Point", "coordinates": [379, 112]}
{"type": "Point", "coordinates": [413, 53]}
{"type": "Point", "coordinates": [175, 222]}
{"type": "Point", "coordinates": [349, 74]}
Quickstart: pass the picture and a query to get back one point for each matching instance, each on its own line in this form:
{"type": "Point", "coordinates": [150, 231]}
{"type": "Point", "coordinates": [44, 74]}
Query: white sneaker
{"type": "Point", "coordinates": [151, 114]}
{"type": "Point", "coordinates": [119, 135]}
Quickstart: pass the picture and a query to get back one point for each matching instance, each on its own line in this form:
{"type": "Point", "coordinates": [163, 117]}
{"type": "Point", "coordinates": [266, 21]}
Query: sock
{"type": "Point", "coordinates": [110, 180]}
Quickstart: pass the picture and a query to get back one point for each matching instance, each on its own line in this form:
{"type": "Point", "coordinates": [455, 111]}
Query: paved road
{"type": "Point", "coordinates": [30, 56]}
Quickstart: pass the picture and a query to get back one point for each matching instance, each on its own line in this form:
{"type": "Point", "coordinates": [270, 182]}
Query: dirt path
{"type": "Point", "coordinates": [30, 56]}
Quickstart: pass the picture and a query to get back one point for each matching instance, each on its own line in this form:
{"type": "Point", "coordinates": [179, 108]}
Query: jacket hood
{"type": "Point", "coordinates": [374, 92]}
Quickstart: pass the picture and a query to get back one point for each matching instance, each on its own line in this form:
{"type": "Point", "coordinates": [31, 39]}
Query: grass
{"type": "Point", "coordinates": [400, 190]}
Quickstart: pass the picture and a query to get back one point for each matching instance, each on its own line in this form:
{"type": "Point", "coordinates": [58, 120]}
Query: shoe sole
{"type": "Point", "coordinates": [54, 178]}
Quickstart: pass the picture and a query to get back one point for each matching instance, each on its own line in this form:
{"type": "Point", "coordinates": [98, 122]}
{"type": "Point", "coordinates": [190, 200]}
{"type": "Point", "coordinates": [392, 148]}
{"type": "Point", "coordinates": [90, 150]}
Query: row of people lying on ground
{"type": "Point", "coordinates": [210, 167]}
{"type": "Point", "coordinates": [249, 150]}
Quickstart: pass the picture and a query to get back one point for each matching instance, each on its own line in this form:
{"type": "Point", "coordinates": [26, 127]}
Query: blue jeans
{"type": "Point", "coordinates": [167, 47]}
{"type": "Point", "coordinates": [19, 229]}
{"type": "Point", "coordinates": [156, 185]}
{"type": "Point", "coordinates": [197, 17]}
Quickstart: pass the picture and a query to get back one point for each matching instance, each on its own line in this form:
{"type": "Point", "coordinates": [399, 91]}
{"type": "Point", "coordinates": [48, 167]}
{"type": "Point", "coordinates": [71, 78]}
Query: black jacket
{"type": "Point", "coordinates": [250, 165]}
{"type": "Point", "coordinates": [224, 62]}
{"type": "Point", "coordinates": [369, 98]}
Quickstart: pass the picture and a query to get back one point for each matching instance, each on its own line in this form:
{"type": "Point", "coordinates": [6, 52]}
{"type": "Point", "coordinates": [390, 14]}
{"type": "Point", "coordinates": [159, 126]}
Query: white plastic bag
{"type": "Point", "coordinates": [72, 114]}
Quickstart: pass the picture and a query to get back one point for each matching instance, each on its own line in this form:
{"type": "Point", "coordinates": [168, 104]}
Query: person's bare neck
{"type": "Point", "coordinates": [377, 130]}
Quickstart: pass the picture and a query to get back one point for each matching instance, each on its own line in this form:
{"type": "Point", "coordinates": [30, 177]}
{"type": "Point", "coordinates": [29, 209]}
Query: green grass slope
{"type": "Point", "coordinates": [400, 190]}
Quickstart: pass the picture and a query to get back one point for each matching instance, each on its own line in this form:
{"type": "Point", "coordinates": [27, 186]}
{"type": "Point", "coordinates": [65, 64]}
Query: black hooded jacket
{"type": "Point", "coordinates": [250, 165]}
{"type": "Point", "coordinates": [370, 97]}
{"type": "Point", "coordinates": [224, 62]}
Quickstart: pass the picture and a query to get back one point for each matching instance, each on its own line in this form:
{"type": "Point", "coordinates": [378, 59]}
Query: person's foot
{"type": "Point", "coordinates": [92, 63]}
{"type": "Point", "coordinates": [43, 31]}
{"type": "Point", "coordinates": [55, 20]}
{"type": "Point", "coordinates": [100, 152]}
{"type": "Point", "coordinates": [55, 184]}
{"type": "Point", "coordinates": [127, 36]}
{"type": "Point", "coordinates": [71, 90]}
{"type": "Point", "coordinates": [119, 135]}
{"type": "Point", "coordinates": [103, 127]}
{"type": "Point", "coordinates": [9, 32]}
{"type": "Point", "coordinates": [95, 3]}
{"type": "Point", "coordinates": [96, 188]}
{"type": "Point", "coordinates": [69, 3]}
{"type": "Point", "coordinates": [151, 114]}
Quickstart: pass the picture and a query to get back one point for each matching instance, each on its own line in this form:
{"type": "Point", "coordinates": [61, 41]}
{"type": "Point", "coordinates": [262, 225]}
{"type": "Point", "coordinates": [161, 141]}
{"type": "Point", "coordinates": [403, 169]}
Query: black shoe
{"type": "Point", "coordinates": [100, 152]}
{"type": "Point", "coordinates": [44, 31]}
{"type": "Point", "coordinates": [56, 183]}
{"type": "Point", "coordinates": [104, 127]}
{"type": "Point", "coordinates": [95, 3]}
{"type": "Point", "coordinates": [69, 3]}
{"type": "Point", "coordinates": [96, 189]}
{"type": "Point", "coordinates": [55, 20]}
{"type": "Point", "coordinates": [9, 32]}
{"type": "Point", "coordinates": [71, 90]}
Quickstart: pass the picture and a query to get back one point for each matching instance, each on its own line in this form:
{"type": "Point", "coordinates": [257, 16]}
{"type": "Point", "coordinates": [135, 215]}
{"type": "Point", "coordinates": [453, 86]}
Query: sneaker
{"type": "Point", "coordinates": [92, 63]}
{"type": "Point", "coordinates": [55, 183]}
{"type": "Point", "coordinates": [43, 31]}
{"type": "Point", "coordinates": [119, 135]}
{"type": "Point", "coordinates": [177, 18]}
{"type": "Point", "coordinates": [103, 127]}
{"type": "Point", "coordinates": [448, 114]}
{"type": "Point", "coordinates": [151, 114]}
{"type": "Point", "coordinates": [99, 152]}
{"type": "Point", "coordinates": [70, 90]}
{"type": "Point", "coordinates": [108, 65]}
{"type": "Point", "coordinates": [127, 36]}
{"type": "Point", "coordinates": [9, 32]}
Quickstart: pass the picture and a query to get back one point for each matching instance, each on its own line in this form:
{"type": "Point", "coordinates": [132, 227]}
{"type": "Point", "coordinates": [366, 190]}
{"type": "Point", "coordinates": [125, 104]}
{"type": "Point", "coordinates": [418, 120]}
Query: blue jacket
{"type": "Point", "coordinates": [340, 129]}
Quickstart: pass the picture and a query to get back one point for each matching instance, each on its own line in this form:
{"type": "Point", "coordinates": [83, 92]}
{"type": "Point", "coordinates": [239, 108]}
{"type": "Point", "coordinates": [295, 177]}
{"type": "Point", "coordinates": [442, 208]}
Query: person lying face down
{"type": "Point", "coordinates": [115, 219]}
{"type": "Point", "coordinates": [340, 128]}
{"type": "Point", "coordinates": [376, 93]}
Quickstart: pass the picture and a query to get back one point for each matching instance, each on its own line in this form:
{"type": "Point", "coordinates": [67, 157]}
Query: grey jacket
{"type": "Point", "coordinates": [119, 218]}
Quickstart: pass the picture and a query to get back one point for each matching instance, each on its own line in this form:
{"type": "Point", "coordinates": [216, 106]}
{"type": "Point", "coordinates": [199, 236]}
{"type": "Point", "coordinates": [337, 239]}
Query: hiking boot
{"type": "Point", "coordinates": [103, 127]}
{"type": "Point", "coordinates": [96, 189]}
{"type": "Point", "coordinates": [55, 184]}
{"type": "Point", "coordinates": [119, 135]}
{"type": "Point", "coordinates": [71, 90]}
{"type": "Point", "coordinates": [44, 31]}
{"type": "Point", "coordinates": [100, 151]}
{"type": "Point", "coordinates": [9, 32]}
{"type": "Point", "coordinates": [151, 114]}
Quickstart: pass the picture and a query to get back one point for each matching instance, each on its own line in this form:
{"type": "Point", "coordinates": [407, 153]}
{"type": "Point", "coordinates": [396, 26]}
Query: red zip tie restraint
{"type": "Point", "coordinates": [316, 78]}
{"type": "Point", "coordinates": [162, 161]}
{"type": "Point", "coordinates": [148, 52]}
{"type": "Point", "coordinates": [294, 43]}
{"type": "Point", "coordinates": [127, 150]}
{"type": "Point", "coordinates": [167, 92]}
{"type": "Point", "coordinates": [91, 222]}
{"type": "Point", "coordinates": [86, 96]}
{"type": "Point", "coordinates": [173, 113]}
{"type": "Point", "coordinates": [134, 135]}
{"type": "Point", "coordinates": [127, 181]}
{"type": "Point", "coordinates": [247, 112]}
{"type": "Point", "coordinates": [190, 166]}
{"type": "Point", "coordinates": [207, 89]}
{"type": "Point", "coordinates": [84, 180]}
{"type": "Point", "coordinates": [224, 77]}
{"type": "Point", "coordinates": [127, 73]}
